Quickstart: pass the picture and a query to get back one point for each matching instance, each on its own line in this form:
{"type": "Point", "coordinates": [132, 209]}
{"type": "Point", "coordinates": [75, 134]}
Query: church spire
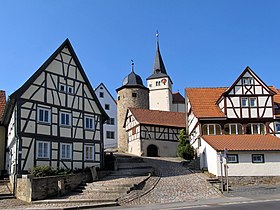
{"type": "Point", "coordinates": [158, 62]}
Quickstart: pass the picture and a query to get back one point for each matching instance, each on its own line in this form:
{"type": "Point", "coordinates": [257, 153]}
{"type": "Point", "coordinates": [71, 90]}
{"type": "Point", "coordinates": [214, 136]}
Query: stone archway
{"type": "Point", "coordinates": [152, 151]}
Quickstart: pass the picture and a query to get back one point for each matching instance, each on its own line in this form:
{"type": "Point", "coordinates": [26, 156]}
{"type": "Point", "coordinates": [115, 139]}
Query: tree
{"type": "Point", "coordinates": [184, 149]}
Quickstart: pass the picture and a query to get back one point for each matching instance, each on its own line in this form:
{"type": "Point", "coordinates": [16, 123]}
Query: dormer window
{"type": "Point", "coordinates": [247, 81]}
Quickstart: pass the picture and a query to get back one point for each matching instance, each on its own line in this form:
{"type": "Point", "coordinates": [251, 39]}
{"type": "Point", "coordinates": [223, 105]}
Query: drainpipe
{"type": "Point", "coordinates": [187, 116]}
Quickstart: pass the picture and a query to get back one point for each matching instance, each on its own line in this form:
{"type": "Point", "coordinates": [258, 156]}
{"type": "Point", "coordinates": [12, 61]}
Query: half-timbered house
{"type": "Point", "coordinates": [2, 133]}
{"type": "Point", "coordinates": [153, 132]}
{"type": "Point", "coordinates": [55, 118]}
{"type": "Point", "coordinates": [241, 119]}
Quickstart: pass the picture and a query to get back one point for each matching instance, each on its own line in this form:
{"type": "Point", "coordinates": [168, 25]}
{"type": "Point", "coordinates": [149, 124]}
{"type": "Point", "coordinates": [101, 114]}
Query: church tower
{"type": "Point", "coordinates": [134, 94]}
{"type": "Point", "coordinates": [159, 84]}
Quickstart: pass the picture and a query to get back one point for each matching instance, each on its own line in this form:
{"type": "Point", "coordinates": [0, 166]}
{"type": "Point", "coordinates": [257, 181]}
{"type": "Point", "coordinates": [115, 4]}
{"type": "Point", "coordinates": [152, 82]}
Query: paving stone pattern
{"type": "Point", "coordinates": [176, 184]}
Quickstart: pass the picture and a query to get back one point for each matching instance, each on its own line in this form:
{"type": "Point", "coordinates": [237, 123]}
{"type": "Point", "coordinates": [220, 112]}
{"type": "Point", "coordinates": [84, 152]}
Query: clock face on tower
{"type": "Point", "coordinates": [164, 81]}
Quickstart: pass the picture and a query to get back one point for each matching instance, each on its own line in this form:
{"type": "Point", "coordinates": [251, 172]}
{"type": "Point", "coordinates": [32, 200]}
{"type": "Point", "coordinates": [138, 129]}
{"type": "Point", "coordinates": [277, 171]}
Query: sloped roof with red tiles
{"type": "Point", "coordinates": [203, 101]}
{"type": "Point", "coordinates": [276, 99]}
{"type": "Point", "coordinates": [177, 98]}
{"type": "Point", "coordinates": [2, 103]}
{"type": "Point", "coordinates": [244, 142]}
{"type": "Point", "coordinates": [163, 118]}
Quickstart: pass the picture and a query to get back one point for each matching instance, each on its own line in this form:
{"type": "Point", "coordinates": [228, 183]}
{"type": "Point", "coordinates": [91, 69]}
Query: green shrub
{"type": "Point", "coordinates": [184, 149]}
{"type": "Point", "coordinates": [42, 171]}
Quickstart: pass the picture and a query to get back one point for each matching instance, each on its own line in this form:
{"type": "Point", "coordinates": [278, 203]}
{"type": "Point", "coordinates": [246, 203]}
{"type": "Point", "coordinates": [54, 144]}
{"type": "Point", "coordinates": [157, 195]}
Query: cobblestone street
{"type": "Point", "coordinates": [176, 184]}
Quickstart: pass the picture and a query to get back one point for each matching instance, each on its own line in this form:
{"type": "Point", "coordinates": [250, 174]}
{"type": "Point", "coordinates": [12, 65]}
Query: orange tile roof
{"type": "Point", "coordinates": [203, 101]}
{"type": "Point", "coordinates": [243, 142]}
{"type": "Point", "coordinates": [276, 99]}
{"type": "Point", "coordinates": [163, 118]}
{"type": "Point", "coordinates": [178, 98]}
{"type": "Point", "coordinates": [2, 102]}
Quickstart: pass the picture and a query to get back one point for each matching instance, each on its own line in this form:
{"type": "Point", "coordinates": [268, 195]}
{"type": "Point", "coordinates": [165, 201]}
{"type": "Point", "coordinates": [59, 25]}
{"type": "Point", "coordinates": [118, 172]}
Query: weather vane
{"type": "Point", "coordinates": [132, 65]}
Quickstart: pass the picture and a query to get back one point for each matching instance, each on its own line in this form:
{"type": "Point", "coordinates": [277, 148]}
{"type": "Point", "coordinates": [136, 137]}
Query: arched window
{"type": "Point", "coordinates": [211, 129]}
{"type": "Point", "coordinates": [255, 128]}
{"type": "Point", "coordinates": [231, 129]}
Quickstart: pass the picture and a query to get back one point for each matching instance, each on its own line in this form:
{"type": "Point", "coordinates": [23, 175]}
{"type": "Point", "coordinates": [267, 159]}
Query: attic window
{"type": "Point", "coordinates": [62, 88]}
{"type": "Point", "coordinates": [247, 81]}
{"type": "Point", "coordinates": [66, 88]}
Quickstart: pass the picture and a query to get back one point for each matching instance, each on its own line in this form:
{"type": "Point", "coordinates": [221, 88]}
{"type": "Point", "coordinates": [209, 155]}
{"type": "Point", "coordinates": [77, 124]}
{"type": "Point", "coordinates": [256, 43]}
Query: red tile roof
{"type": "Point", "coordinates": [2, 102]}
{"type": "Point", "coordinates": [177, 98]}
{"type": "Point", "coordinates": [163, 118]}
{"type": "Point", "coordinates": [203, 101]}
{"type": "Point", "coordinates": [243, 142]}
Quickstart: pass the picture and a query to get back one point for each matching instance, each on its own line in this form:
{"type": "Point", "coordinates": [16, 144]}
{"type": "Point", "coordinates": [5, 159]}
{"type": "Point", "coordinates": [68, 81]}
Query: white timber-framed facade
{"type": "Point", "coordinates": [240, 114]}
{"type": "Point", "coordinates": [46, 118]}
{"type": "Point", "coordinates": [153, 133]}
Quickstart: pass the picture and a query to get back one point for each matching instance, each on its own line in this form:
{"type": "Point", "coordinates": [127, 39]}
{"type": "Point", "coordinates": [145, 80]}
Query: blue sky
{"type": "Point", "coordinates": [203, 43]}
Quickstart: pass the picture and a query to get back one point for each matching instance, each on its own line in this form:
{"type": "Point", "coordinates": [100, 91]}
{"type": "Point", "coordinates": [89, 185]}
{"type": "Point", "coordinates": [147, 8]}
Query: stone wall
{"type": "Point", "coordinates": [36, 188]}
{"type": "Point", "coordinates": [125, 100]}
{"type": "Point", "coordinates": [253, 180]}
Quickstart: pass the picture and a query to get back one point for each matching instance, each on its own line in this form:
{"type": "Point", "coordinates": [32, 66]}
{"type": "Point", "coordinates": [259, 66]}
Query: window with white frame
{"type": "Point", "coordinates": [232, 158]}
{"type": "Point", "coordinates": [89, 123]}
{"type": "Point", "coordinates": [244, 102]}
{"type": "Point", "coordinates": [253, 102]}
{"type": "Point", "coordinates": [43, 149]}
{"type": "Point", "coordinates": [247, 81]}
{"type": "Point", "coordinates": [157, 83]}
{"type": "Point", "coordinates": [70, 89]}
{"type": "Point", "coordinates": [255, 128]}
{"type": "Point", "coordinates": [211, 129]}
{"type": "Point", "coordinates": [110, 134]}
{"type": "Point", "coordinates": [44, 115]}
{"type": "Point", "coordinates": [66, 151]}
{"type": "Point", "coordinates": [65, 119]}
{"type": "Point", "coordinates": [66, 88]}
{"type": "Point", "coordinates": [258, 158]}
{"type": "Point", "coordinates": [62, 87]}
{"type": "Point", "coordinates": [277, 127]}
{"type": "Point", "coordinates": [232, 129]}
{"type": "Point", "coordinates": [101, 94]}
{"type": "Point", "coordinates": [89, 152]}
{"type": "Point", "coordinates": [111, 121]}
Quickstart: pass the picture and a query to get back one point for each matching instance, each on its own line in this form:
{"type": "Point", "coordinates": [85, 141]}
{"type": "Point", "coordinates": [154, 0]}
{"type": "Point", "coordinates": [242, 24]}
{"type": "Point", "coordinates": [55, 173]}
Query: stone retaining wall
{"type": "Point", "coordinates": [36, 188]}
{"type": "Point", "coordinates": [253, 180]}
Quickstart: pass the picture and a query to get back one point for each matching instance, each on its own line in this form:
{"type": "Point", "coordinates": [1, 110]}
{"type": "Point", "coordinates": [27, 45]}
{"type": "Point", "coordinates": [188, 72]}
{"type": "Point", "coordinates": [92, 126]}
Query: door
{"type": "Point", "coordinates": [152, 151]}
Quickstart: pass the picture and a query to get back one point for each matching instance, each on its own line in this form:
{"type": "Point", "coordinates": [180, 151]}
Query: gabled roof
{"type": "Point", "coordinates": [14, 96]}
{"type": "Point", "coordinates": [177, 98]}
{"type": "Point", "coordinates": [161, 118]}
{"type": "Point", "coordinates": [102, 84]}
{"type": "Point", "coordinates": [250, 71]}
{"type": "Point", "coordinates": [203, 102]}
{"type": "Point", "coordinates": [243, 142]}
{"type": "Point", "coordinates": [2, 103]}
